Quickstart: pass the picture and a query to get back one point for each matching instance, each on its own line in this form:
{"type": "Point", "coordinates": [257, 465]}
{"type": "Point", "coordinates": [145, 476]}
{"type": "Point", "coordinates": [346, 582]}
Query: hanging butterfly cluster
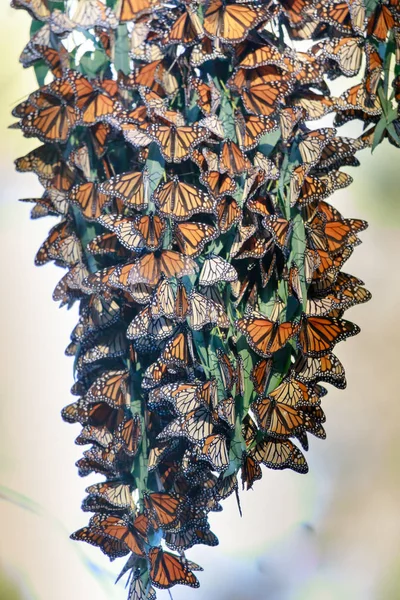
{"type": "Point", "coordinates": [178, 152]}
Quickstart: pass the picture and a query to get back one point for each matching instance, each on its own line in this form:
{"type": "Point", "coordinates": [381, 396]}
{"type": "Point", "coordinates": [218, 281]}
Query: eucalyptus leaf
{"type": "Point", "coordinates": [121, 49]}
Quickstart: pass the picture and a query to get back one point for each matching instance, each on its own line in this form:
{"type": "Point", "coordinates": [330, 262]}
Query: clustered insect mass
{"type": "Point", "coordinates": [181, 157]}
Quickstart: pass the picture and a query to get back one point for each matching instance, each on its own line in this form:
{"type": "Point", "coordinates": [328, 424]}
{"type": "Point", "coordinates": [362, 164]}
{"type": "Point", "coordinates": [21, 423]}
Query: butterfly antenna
{"type": "Point", "coordinates": [170, 595]}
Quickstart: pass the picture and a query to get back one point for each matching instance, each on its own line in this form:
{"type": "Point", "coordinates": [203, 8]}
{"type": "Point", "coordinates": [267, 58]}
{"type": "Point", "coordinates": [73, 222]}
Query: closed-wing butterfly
{"type": "Point", "coordinates": [168, 569]}
{"type": "Point", "coordinates": [318, 335]}
{"type": "Point", "coordinates": [279, 454]}
{"type": "Point", "coordinates": [215, 269]}
{"type": "Point", "coordinates": [89, 199]}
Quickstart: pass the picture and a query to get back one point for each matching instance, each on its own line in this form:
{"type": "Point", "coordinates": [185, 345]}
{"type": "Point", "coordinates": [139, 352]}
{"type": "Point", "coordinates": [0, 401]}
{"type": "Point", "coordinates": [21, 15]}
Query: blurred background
{"type": "Point", "coordinates": [331, 535]}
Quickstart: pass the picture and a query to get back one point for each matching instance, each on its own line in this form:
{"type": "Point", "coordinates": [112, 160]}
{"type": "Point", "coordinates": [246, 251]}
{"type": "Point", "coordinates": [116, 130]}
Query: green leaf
{"type": "Point", "coordinates": [227, 118]}
{"type": "Point", "coordinates": [121, 58]}
{"type": "Point", "coordinates": [379, 131]}
{"type": "Point", "coordinates": [268, 142]}
{"type": "Point", "coordinates": [41, 70]}
{"type": "Point", "coordinates": [393, 133]}
{"type": "Point", "coordinates": [155, 166]}
{"type": "Point", "coordinates": [92, 63]}
{"type": "Point", "coordinates": [298, 246]}
{"type": "Point", "coordinates": [35, 26]}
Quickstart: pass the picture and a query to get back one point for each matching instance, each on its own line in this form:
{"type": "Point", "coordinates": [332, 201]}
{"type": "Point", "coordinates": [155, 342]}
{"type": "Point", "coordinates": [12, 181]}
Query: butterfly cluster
{"type": "Point", "coordinates": [190, 183]}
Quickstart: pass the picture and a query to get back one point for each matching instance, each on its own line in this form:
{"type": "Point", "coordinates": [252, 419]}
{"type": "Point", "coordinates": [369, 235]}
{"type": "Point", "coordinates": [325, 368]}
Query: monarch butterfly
{"type": "Point", "coordinates": [146, 231]}
{"type": "Point", "coordinates": [198, 533]}
{"type": "Point", "coordinates": [52, 123]}
{"type": "Point", "coordinates": [380, 23]}
{"type": "Point", "coordinates": [130, 187]}
{"type": "Point", "coordinates": [358, 98]}
{"type": "Point", "coordinates": [251, 470]}
{"type": "Point", "coordinates": [260, 374]}
{"type": "Point", "coordinates": [95, 103]}
{"type": "Point", "coordinates": [216, 452]}
{"type": "Point", "coordinates": [232, 160]}
{"type": "Point", "coordinates": [195, 425]}
{"type": "Point", "coordinates": [56, 60]}
{"type": "Point", "coordinates": [129, 432]}
{"type": "Point", "coordinates": [139, 590]}
{"type": "Point", "coordinates": [192, 237]}
{"type": "Point", "coordinates": [180, 200]}
{"type": "Point", "coordinates": [230, 23]}
{"type": "Point", "coordinates": [209, 97]}
{"type": "Point", "coordinates": [243, 233]}
{"type": "Point", "coordinates": [229, 213]}
{"type": "Point", "coordinates": [95, 536]}
{"type": "Point", "coordinates": [176, 143]}
{"type": "Point", "coordinates": [167, 570]}
{"type": "Point", "coordinates": [247, 78]}
{"type": "Point", "coordinates": [288, 119]}
{"type": "Point", "coordinates": [318, 335]}
{"type": "Point", "coordinates": [357, 15]}
{"type": "Point", "coordinates": [249, 129]}
{"type": "Point", "coordinates": [295, 393]}
{"type": "Point", "coordinates": [158, 454]}
{"type": "Point", "coordinates": [278, 419]}
{"type": "Point", "coordinates": [279, 228]}
{"type": "Point", "coordinates": [162, 509]}
{"type": "Point", "coordinates": [279, 454]}
{"type": "Point", "coordinates": [168, 263]}
{"type": "Point", "coordinates": [335, 151]}
{"type": "Point", "coordinates": [158, 373]}
{"type": "Point", "coordinates": [50, 249]}
{"type": "Point", "coordinates": [264, 336]}
{"type": "Point", "coordinates": [38, 9]}
{"type": "Point", "coordinates": [204, 311]}
{"type": "Point", "coordinates": [93, 13]}
{"type": "Point", "coordinates": [131, 10]}
{"type": "Point", "coordinates": [93, 434]}
{"type": "Point", "coordinates": [104, 348]}
{"type": "Point", "coordinates": [326, 368]}
{"type": "Point", "coordinates": [186, 29]}
{"type": "Point", "coordinates": [336, 14]}
{"type": "Point", "coordinates": [347, 52]}
{"type": "Point", "coordinates": [306, 189]}
{"type": "Point", "coordinates": [98, 460]}
{"type": "Point", "coordinates": [118, 528]}
{"type": "Point", "coordinates": [263, 98]}
{"type": "Point", "coordinates": [177, 351]}
{"type": "Point", "coordinates": [218, 184]}
{"type": "Point", "coordinates": [314, 105]}
{"type": "Point", "coordinates": [216, 269]}
{"type": "Point", "coordinates": [226, 411]}
{"type": "Point", "coordinates": [99, 133]}
{"type": "Point", "coordinates": [228, 373]}
{"type": "Point", "coordinates": [144, 325]}
{"type": "Point", "coordinates": [312, 144]}
{"type": "Point", "coordinates": [89, 199]}
{"type": "Point", "coordinates": [203, 51]}
{"type": "Point", "coordinates": [114, 493]}
{"type": "Point", "coordinates": [44, 206]}
{"type": "Point", "coordinates": [266, 55]}
{"type": "Point", "coordinates": [184, 397]}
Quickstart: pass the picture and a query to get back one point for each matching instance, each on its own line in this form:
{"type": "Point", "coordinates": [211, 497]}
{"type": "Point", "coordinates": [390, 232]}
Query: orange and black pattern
{"type": "Point", "coordinates": [185, 160]}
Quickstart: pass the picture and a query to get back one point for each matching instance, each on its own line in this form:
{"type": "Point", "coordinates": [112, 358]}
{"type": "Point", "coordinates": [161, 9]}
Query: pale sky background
{"type": "Point", "coordinates": [330, 535]}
